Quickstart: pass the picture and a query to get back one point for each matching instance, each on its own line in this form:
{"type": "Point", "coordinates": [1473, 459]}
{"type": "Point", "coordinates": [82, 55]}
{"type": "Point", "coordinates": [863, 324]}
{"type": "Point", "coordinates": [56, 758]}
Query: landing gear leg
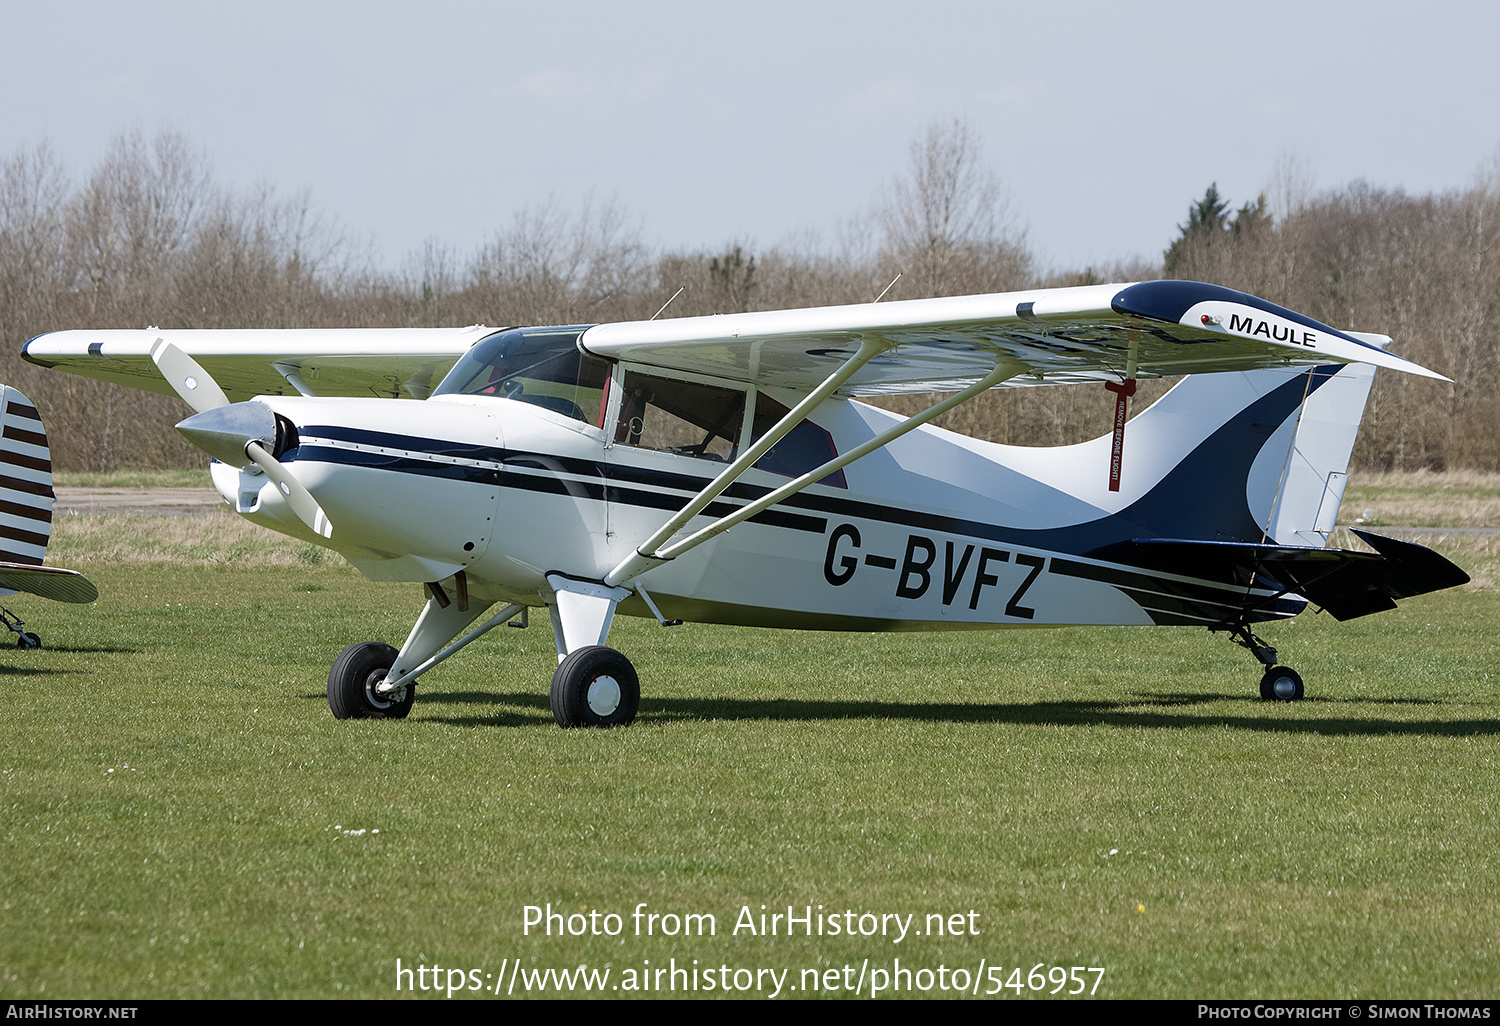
{"type": "Point", "coordinates": [1280, 683]}
{"type": "Point", "coordinates": [373, 679]}
{"type": "Point", "coordinates": [24, 639]}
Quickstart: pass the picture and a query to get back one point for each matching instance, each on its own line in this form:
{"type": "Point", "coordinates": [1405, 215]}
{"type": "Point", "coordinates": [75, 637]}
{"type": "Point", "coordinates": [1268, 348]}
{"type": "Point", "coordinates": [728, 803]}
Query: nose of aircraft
{"type": "Point", "coordinates": [224, 432]}
{"type": "Point", "coordinates": [243, 433]}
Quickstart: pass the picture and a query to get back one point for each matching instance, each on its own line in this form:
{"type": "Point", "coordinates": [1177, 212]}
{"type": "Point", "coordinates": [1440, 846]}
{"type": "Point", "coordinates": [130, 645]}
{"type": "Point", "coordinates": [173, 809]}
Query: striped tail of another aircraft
{"type": "Point", "coordinates": [26, 499]}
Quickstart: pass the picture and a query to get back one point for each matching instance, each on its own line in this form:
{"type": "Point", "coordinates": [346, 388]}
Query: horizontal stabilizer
{"type": "Point", "coordinates": [49, 582]}
{"type": "Point", "coordinates": [1346, 583]}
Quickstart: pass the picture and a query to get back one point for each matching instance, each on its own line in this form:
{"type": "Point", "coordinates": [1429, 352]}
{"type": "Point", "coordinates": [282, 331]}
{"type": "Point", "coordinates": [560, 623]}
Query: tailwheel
{"type": "Point", "coordinates": [1281, 684]}
{"type": "Point", "coordinates": [595, 686]}
{"type": "Point", "coordinates": [24, 639]}
{"type": "Point", "coordinates": [352, 680]}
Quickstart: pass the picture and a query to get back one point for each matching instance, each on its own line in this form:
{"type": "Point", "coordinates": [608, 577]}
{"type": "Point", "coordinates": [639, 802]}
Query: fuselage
{"type": "Point", "coordinates": [937, 531]}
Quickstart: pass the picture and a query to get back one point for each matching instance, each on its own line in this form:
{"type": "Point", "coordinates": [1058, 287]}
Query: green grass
{"type": "Point", "coordinates": [195, 478]}
{"type": "Point", "coordinates": [181, 814]}
{"type": "Point", "coordinates": [1458, 498]}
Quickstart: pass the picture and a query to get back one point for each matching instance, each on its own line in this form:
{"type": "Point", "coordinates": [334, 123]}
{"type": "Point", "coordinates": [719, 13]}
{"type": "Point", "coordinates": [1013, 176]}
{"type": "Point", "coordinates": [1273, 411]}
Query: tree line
{"type": "Point", "coordinates": [148, 237]}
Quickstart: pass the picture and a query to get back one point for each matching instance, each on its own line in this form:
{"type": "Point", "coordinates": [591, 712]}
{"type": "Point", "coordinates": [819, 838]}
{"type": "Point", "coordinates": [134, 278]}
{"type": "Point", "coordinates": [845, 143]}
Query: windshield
{"type": "Point", "coordinates": [541, 366]}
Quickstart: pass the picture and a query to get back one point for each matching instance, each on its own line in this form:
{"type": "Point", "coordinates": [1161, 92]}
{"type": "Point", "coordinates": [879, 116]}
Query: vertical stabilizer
{"type": "Point", "coordinates": [1297, 481]}
{"type": "Point", "coordinates": [26, 495]}
{"type": "Point", "coordinates": [26, 499]}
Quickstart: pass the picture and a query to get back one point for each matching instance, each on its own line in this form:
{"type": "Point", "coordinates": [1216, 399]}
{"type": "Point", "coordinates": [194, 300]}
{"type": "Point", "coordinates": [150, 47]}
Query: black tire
{"type": "Point", "coordinates": [28, 640]}
{"type": "Point", "coordinates": [352, 680]}
{"type": "Point", "coordinates": [1281, 684]}
{"type": "Point", "coordinates": [595, 686]}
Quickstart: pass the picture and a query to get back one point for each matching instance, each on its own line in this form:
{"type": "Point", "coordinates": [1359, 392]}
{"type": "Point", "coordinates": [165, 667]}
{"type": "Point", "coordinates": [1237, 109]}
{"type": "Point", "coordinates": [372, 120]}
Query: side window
{"type": "Point", "coordinates": [682, 417]}
{"type": "Point", "coordinates": [806, 447]}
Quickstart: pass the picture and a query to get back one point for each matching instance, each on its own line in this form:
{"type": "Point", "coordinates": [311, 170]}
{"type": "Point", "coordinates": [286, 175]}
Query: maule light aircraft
{"type": "Point", "coordinates": [716, 469]}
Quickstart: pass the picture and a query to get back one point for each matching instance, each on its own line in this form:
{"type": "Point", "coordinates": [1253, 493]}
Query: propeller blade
{"type": "Point", "coordinates": [191, 381]}
{"type": "Point", "coordinates": [297, 495]}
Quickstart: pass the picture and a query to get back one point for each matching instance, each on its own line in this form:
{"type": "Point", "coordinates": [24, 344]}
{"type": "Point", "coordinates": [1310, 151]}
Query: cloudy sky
{"type": "Point", "coordinates": [761, 121]}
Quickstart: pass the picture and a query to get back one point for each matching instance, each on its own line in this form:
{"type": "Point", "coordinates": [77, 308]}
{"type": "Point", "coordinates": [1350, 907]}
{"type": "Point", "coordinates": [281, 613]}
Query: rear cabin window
{"type": "Point", "coordinates": [805, 447]}
{"type": "Point", "coordinates": [540, 366]}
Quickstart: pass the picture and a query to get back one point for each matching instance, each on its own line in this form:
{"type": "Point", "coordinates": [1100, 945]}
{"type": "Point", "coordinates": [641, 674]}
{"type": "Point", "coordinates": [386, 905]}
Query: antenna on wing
{"type": "Point", "coordinates": [668, 303]}
{"type": "Point", "coordinates": [888, 287]}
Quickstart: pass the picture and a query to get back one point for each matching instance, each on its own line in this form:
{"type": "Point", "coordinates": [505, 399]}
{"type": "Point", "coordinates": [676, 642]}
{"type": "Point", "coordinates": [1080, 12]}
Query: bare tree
{"type": "Point", "coordinates": [147, 238]}
{"type": "Point", "coordinates": [551, 267]}
{"type": "Point", "coordinates": [948, 224]}
{"type": "Point", "coordinates": [136, 214]}
{"type": "Point", "coordinates": [33, 192]}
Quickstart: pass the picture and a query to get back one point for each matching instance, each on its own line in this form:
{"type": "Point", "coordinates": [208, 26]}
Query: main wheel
{"type": "Point", "coordinates": [1281, 684]}
{"type": "Point", "coordinates": [26, 639]}
{"type": "Point", "coordinates": [595, 686]}
{"type": "Point", "coordinates": [352, 680]}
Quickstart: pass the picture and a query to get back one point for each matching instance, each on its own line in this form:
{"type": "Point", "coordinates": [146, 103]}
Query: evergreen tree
{"type": "Point", "coordinates": [1207, 220]}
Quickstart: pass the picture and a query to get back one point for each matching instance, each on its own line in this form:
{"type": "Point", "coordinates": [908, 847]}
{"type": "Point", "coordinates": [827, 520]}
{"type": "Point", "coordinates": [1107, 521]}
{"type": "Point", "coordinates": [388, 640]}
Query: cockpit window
{"type": "Point", "coordinates": [540, 366]}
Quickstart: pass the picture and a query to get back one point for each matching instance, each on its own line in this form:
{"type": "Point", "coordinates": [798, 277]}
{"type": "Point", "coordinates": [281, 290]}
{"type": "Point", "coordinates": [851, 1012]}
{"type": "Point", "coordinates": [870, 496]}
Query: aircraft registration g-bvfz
{"type": "Point", "coordinates": [716, 469]}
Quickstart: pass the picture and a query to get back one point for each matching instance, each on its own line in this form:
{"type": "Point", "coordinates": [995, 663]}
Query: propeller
{"type": "Point", "coordinates": [297, 496]}
{"type": "Point", "coordinates": [184, 374]}
{"type": "Point", "coordinates": [233, 432]}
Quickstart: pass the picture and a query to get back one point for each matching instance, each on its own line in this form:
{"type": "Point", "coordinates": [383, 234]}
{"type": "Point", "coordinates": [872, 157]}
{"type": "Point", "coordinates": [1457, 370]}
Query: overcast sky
{"type": "Point", "coordinates": [757, 121]}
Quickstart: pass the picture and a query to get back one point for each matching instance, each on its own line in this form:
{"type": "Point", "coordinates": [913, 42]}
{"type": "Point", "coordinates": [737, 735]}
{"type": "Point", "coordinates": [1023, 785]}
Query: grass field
{"type": "Point", "coordinates": [183, 818]}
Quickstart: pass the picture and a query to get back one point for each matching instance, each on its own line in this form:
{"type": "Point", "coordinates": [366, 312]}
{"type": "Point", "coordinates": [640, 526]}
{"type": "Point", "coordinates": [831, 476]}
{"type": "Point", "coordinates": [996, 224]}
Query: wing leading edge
{"type": "Point", "coordinates": [399, 362]}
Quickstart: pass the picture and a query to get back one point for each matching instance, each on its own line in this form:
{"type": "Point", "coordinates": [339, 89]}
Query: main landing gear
{"type": "Point", "coordinates": [593, 686]}
{"type": "Point", "coordinates": [1279, 683]}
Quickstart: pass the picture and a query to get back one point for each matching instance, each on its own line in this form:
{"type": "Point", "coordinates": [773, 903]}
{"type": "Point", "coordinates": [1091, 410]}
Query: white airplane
{"type": "Point", "coordinates": [26, 499]}
{"type": "Point", "coordinates": [716, 469]}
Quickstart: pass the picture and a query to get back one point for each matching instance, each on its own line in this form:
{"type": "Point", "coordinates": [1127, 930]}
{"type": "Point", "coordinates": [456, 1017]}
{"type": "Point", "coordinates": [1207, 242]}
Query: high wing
{"type": "Point", "coordinates": [1046, 336]}
{"type": "Point", "coordinates": [386, 362]}
{"type": "Point", "coordinates": [1051, 336]}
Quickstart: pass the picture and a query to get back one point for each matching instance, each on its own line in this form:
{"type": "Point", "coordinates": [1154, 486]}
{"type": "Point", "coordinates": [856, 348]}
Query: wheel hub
{"type": "Point", "coordinates": [1285, 688]}
{"type": "Point", "coordinates": [604, 695]}
{"type": "Point", "coordinates": [375, 698]}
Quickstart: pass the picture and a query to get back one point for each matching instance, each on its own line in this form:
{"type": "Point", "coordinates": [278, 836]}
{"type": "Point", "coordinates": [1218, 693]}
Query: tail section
{"type": "Point", "coordinates": [25, 481]}
{"type": "Point", "coordinates": [1257, 495]}
{"type": "Point", "coordinates": [26, 499]}
{"type": "Point", "coordinates": [1243, 457]}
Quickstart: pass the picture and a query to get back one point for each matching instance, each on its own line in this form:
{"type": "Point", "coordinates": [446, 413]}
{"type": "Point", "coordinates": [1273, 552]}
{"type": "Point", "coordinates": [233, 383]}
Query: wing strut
{"type": "Point", "coordinates": [645, 556]}
{"type": "Point", "coordinates": [654, 552]}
